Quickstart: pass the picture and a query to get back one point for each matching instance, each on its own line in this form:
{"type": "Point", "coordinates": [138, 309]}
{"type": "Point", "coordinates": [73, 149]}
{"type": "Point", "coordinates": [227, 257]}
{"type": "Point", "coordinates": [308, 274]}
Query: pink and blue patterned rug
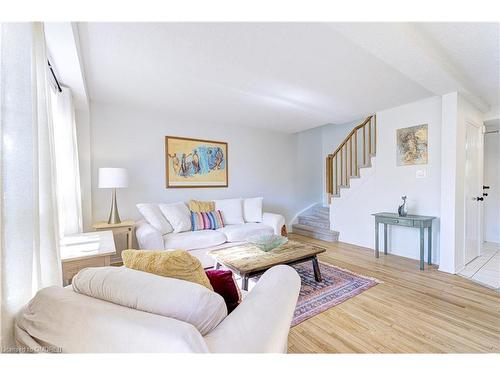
{"type": "Point", "coordinates": [338, 285]}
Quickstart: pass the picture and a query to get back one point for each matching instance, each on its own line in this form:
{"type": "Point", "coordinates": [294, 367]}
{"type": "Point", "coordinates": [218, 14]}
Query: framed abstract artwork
{"type": "Point", "coordinates": [195, 163]}
{"type": "Point", "coordinates": [412, 145]}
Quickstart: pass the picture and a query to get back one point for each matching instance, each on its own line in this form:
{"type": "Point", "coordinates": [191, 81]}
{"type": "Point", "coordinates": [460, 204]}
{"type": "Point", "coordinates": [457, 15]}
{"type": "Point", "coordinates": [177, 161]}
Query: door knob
{"type": "Point", "coordinates": [479, 198]}
{"type": "Point", "coordinates": [485, 187]}
{"type": "Point", "coordinates": [485, 194]}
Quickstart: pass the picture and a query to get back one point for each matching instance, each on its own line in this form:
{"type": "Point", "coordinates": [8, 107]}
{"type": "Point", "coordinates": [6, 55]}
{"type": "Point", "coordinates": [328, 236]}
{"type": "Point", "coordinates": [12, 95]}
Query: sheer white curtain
{"type": "Point", "coordinates": [28, 208]}
{"type": "Point", "coordinates": [69, 199]}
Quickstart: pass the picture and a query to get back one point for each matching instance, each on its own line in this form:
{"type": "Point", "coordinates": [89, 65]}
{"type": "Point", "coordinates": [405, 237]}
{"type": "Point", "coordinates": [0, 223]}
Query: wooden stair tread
{"type": "Point", "coordinates": [315, 229]}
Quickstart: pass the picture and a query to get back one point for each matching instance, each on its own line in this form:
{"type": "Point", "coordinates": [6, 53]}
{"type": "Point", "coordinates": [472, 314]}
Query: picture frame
{"type": "Point", "coordinates": [195, 163]}
{"type": "Point", "coordinates": [412, 145]}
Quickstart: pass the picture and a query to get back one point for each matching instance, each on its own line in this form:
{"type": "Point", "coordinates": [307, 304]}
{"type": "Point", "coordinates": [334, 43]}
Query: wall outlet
{"type": "Point", "coordinates": [421, 173]}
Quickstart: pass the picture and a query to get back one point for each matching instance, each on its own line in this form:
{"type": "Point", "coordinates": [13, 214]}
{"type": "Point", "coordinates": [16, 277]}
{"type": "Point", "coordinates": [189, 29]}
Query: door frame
{"type": "Point", "coordinates": [480, 128]}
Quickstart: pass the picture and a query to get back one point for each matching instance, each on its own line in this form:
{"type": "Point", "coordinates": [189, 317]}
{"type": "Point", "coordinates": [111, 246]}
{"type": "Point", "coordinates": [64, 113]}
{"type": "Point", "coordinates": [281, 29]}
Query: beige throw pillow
{"type": "Point", "coordinates": [178, 264]}
{"type": "Point", "coordinates": [201, 206]}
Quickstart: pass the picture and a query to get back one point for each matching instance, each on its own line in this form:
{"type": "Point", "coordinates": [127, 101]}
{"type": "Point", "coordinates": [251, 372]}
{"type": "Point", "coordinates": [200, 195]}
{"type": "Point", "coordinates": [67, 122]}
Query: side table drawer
{"type": "Point", "coordinates": [72, 267]}
{"type": "Point", "coordinates": [403, 222]}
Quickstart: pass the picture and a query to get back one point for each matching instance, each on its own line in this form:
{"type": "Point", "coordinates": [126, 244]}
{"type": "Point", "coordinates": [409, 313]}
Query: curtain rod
{"type": "Point", "coordinates": [54, 75]}
{"type": "Point", "coordinates": [491, 132]}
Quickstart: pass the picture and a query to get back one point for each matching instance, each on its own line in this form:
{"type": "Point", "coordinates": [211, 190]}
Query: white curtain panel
{"type": "Point", "coordinates": [69, 198]}
{"type": "Point", "coordinates": [28, 209]}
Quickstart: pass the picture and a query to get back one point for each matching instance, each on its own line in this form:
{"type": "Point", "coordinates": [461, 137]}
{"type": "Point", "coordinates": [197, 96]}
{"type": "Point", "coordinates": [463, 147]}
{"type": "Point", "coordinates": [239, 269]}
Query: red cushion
{"type": "Point", "coordinates": [224, 283]}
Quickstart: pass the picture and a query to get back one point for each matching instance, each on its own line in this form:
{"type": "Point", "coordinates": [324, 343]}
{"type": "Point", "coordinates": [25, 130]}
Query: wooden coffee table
{"type": "Point", "coordinates": [248, 260]}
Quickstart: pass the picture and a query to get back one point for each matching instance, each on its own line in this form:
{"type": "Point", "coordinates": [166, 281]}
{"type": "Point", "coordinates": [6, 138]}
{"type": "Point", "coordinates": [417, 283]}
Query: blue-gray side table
{"type": "Point", "coordinates": [414, 221]}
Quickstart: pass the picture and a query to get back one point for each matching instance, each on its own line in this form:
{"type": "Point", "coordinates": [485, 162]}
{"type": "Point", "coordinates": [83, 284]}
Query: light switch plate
{"type": "Point", "coordinates": [421, 173]}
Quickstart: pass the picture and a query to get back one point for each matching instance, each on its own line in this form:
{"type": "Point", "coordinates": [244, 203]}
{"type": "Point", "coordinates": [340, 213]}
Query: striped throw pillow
{"type": "Point", "coordinates": [206, 220]}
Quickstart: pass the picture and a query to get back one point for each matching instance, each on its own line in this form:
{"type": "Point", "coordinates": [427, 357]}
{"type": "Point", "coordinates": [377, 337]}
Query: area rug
{"type": "Point", "coordinates": [338, 285]}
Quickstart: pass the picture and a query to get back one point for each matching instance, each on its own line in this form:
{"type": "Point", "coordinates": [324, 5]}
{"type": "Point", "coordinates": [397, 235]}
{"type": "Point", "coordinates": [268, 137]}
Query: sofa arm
{"type": "Point", "coordinates": [260, 324]}
{"type": "Point", "coordinates": [275, 221]}
{"type": "Point", "coordinates": [148, 237]}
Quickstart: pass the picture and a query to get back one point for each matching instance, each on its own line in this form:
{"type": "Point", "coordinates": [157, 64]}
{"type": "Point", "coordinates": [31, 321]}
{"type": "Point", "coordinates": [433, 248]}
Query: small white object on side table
{"type": "Point", "coordinates": [78, 251]}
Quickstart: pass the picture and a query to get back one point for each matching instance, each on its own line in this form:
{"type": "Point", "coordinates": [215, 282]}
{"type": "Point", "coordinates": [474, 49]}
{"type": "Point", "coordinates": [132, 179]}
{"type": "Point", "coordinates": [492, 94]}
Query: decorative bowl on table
{"type": "Point", "coordinates": [267, 242]}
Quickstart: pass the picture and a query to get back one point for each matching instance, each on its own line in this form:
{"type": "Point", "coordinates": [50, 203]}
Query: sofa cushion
{"type": "Point", "coordinates": [232, 210]}
{"type": "Point", "coordinates": [240, 232]}
{"type": "Point", "coordinates": [252, 210]}
{"type": "Point", "coordinates": [193, 240]}
{"type": "Point", "coordinates": [201, 206]}
{"type": "Point", "coordinates": [178, 215]}
{"type": "Point", "coordinates": [151, 212]}
{"type": "Point", "coordinates": [178, 264]}
{"type": "Point", "coordinates": [173, 298]}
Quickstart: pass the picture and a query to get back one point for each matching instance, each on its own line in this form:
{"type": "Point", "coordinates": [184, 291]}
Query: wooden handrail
{"type": "Point", "coordinates": [345, 157]}
{"type": "Point", "coordinates": [350, 134]}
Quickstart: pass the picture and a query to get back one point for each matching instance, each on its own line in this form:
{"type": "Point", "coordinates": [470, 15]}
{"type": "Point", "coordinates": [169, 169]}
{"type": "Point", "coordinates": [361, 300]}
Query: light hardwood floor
{"type": "Point", "coordinates": [412, 311]}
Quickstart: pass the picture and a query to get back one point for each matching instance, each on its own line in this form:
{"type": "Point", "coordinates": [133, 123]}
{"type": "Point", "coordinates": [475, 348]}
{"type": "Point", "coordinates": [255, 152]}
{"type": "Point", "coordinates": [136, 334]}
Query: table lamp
{"type": "Point", "coordinates": [113, 178]}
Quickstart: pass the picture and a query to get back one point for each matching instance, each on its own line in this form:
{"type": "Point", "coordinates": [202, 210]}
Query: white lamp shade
{"type": "Point", "coordinates": [113, 178]}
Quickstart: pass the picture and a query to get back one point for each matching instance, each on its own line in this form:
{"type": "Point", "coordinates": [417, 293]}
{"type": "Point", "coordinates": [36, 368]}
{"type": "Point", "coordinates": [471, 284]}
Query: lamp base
{"type": "Point", "coordinates": [114, 217]}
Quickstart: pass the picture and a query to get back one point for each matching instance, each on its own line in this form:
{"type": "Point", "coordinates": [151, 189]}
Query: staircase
{"type": "Point", "coordinates": [354, 153]}
{"type": "Point", "coordinates": [315, 223]}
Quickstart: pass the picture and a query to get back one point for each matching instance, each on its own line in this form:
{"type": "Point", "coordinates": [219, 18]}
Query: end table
{"type": "Point", "coordinates": [414, 221]}
{"type": "Point", "coordinates": [84, 250]}
{"type": "Point", "coordinates": [125, 227]}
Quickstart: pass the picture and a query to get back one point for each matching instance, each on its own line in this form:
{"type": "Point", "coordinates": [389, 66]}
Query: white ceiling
{"type": "Point", "coordinates": [282, 76]}
{"type": "Point", "coordinates": [474, 50]}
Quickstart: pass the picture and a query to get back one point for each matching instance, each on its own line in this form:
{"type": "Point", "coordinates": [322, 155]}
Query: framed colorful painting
{"type": "Point", "coordinates": [195, 163]}
{"type": "Point", "coordinates": [412, 145]}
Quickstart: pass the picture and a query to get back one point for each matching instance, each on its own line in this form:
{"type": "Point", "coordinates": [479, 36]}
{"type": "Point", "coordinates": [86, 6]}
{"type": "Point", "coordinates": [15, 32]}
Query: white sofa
{"type": "Point", "coordinates": [200, 242]}
{"type": "Point", "coordinates": [129, 316]}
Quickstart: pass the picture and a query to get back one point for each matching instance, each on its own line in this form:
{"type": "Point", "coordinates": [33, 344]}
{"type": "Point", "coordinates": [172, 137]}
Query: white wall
{"type": "Point", "coordinates": [309, 168]}
{"type": "Point", "coordinates": [261, 162]}
{"type": "Point", "coordinates": [287, 169]}
{"type": "Point", "coordinates": [492, 179]}
{"type": "Point", "coordinates": [449, 118]}
{"type": "Point", "coordinates": [313, 146]}
{"type": "Point", "coordinates": [380, 187]}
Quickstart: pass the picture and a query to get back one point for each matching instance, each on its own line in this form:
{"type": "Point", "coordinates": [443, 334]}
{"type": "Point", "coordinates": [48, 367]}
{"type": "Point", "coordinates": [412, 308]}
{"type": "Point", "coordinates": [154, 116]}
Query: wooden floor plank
{"type": "Point", "coordinates": [411, 311]}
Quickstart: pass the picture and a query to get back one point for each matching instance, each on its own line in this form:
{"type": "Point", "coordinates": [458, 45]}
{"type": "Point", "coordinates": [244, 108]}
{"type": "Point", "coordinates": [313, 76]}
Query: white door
{"type": "Point", "coordinates": [473, 190]}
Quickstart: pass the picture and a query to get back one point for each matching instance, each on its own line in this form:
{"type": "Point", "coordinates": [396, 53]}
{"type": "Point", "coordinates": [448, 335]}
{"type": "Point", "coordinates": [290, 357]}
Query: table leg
{"type": "Point", "coordinates": [385, 238]}
{"type": "Point", "coordinates": [317, 271]}
{"type": "Point", "coordinates": [376, 239]}
{"type": "Point", "coordinates": [244, 282]}
{"type": "Point", "coordinates": [129, 239]}
{"type": "Point", "coordinates": [421, 248]}
{"type": "Point", "coordinates": [429, 245]}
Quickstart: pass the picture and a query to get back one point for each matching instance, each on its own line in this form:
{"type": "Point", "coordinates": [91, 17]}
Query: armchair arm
{"type": "Point", "coordinates": [260, 324]}
{"type": "Point", "coordinates": [276, 221]}
{"type": "Point", "coordinates": [61, 318]}
{"type": "Point", "coordinates": [148, 237]}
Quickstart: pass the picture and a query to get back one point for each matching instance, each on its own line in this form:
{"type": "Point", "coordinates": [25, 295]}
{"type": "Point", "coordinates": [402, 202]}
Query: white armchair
{"type": "Point", "coordinates": [61, 318]}
{"type": "Point", "coordinates": [256, 325]}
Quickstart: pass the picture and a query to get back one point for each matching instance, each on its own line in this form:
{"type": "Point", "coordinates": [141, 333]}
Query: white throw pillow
{"type": "Point", "coordinates": [252, 210]}
{"type": "Point", "coordinates": [178, 216]}
{"type": "Point", "coordinates": [179, 299]}
{"type": "Point", "coordinates": [232, 210]}
{"type": "Point", "coordinates": [153, 215]}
